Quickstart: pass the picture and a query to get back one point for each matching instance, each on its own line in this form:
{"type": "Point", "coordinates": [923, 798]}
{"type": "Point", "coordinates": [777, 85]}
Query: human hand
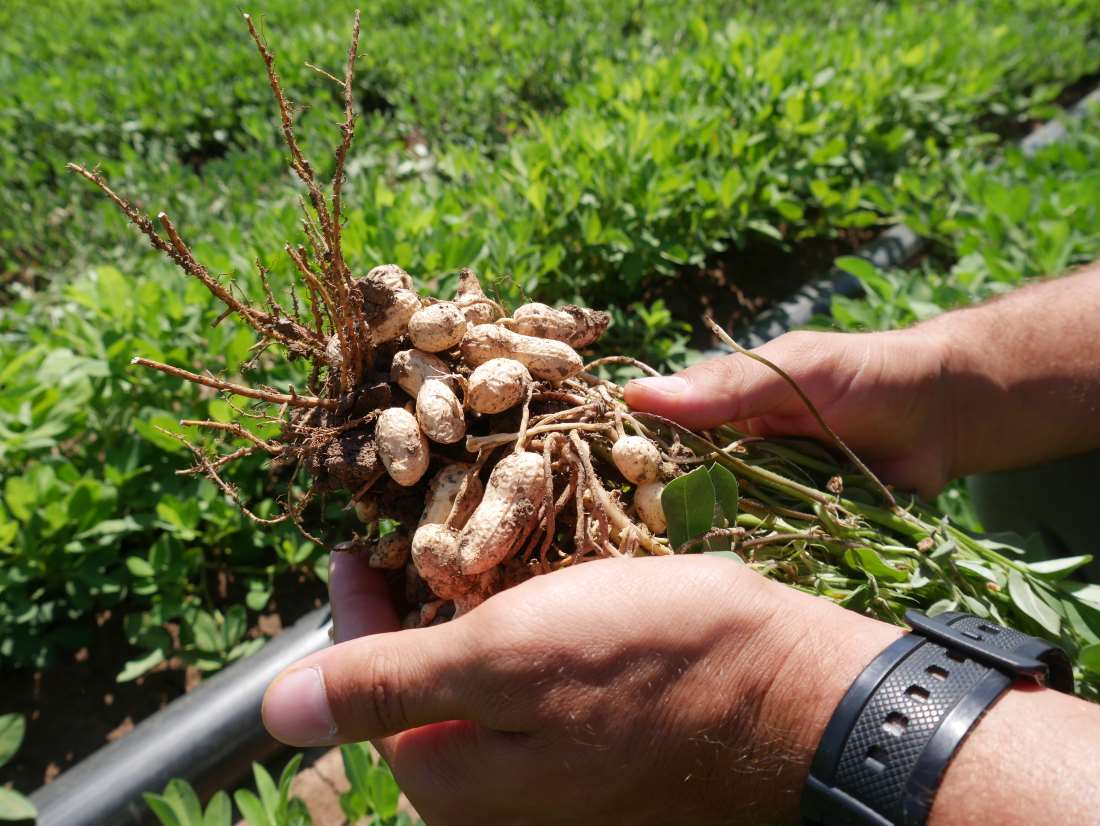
{"type": "Point", "coordinates": [676, 689]}
{"type": "Point", "coordinates": [883, 394]}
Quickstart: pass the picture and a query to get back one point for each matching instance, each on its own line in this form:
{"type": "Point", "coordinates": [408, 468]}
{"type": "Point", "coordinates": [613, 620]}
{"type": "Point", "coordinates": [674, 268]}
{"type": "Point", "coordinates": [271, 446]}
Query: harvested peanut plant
{"type": "Point", "coordinates": [501, 455]}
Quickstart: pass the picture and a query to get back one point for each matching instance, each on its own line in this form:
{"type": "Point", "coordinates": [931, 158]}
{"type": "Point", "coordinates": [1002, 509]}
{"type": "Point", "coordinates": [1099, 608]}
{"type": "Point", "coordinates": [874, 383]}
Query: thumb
{"type": "Point", "coordinates": [376, 686]}
{"type": "Point", "coordinates": [729, 388]}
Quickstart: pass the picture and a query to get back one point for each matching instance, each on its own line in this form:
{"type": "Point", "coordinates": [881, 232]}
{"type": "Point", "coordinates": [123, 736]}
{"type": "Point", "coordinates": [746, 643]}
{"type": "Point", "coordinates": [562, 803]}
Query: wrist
{"type": "Point", "coordinates": [817, 651]}
{"type": "Point", "coordinates": [964, 393]}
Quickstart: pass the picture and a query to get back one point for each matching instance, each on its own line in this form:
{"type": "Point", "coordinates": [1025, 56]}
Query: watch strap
{"type": "Point", "coordinates": [891, 738]}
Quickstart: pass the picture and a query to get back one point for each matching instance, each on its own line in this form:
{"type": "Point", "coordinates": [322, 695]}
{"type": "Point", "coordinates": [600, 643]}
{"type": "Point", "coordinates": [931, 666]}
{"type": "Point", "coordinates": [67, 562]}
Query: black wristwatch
{"type": "Point", "coordinates": [889, 742]}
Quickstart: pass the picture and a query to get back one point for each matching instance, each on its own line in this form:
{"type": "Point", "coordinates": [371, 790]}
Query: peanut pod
{"type": "Point", "coordinates": [443, 493]}
{"type": "Point", "coordinates": [576, 326]}
{"type": "Point", "coordinates": [391, 319]}
{"type": "Point", "coordinates": [437, 327]}
{"type": "Point", "coordinates": [553, 361]}
{"type": "Point", "coordinates": [471, 299]}
{"type": "Point", "coordinates": [637, 459]}
{"type": "Point", "coordinates": [411, 367]}
{"type": "Point", "coordinates": [507, 514]}
{"type": "Point", "coordinates": [497, 385]}
{"type": "Point", "coordinates": [439, 413]}
{"type": "Point", "coordinates": [391, 552]}
{"type": "Point", "coordinates": [647, 501]}
{"type": "Point", "coordinates": [392, 276]}
{"type": "Point", "coordinates": [401, 445]}
{"type": "Point", "coordinates": [378, 285]}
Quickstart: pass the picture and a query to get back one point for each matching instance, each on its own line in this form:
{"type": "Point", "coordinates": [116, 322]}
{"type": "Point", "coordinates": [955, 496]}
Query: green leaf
{"type": "Point", "coordinates": [726, 491]}
{"type": "Point", "coordinates": [12, 728]}
{"type": "Point", "coordinates": [206, 633]}
{"type": "Point", "coordinates": [139, 567]}
{"type": "Point", "coordinates": [942, 606]}
{"type": "Point", "coordinates": [220, 410]}
{"type": "Point", "coordinates": [382, 792]}
{"type": "Point", "coordinates": [13, 806]}
{"type": "Point", "coordinates": [251, 808]}
{"type": "Point", "coordinates": [1089, 658]}
{"type": "Point", "coordinates": [764, 228]}
{"type": "Point", "coordinates": [688, 502]}
{"type": "Point", "coordinates": [235, 626]}
{"type": "Point", "coordinates": [357, 764]}
{"type": "Point", "coordinates": [184, 801]}
{"type": "Point", "coordinates": [732, 184]}
{"type": "Point", "coordinates": [269, 792]}
{"type": "Point", "coordinates": [871, 563]}
{"type": "Point", "coordinates": [143, 665]}
{"type": "Point", "coordinates": [162, 809]}
{"type": "Point", "coordinates": [536, 194]}
{"type": "Point", "coordinates": [1088, 594]}
{"type": "Point", "coordinates": [219, 811]}
{"type": "Point", "coordinates": [861, 268]}
{"type": "Point", "coordinates": [1059, 568]}
{"type": "Point", "coordinates": [1029, 603]}
{"type": "Point", "coordinates": [286, 778]}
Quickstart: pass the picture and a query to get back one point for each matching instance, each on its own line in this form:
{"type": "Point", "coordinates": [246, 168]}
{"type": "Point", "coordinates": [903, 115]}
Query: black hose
{"type": "Point", "coordinates": [891, 249]}
{"type": "Point", "coordinates": [208, 737]}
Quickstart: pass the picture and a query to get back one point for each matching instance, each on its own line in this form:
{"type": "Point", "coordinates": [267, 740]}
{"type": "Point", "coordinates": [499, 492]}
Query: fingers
{"type": "Point", "coordinates": [737, 388]}
{"type": "Point", "coordinates": [376, 686]}
{"type": "Point", "coordinates": [360, 602]}
{"type": "Point", "coordinates": [711, 393]}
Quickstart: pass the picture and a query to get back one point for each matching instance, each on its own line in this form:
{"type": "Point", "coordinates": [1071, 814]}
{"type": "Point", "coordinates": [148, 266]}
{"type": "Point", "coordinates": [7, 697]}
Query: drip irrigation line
{"type": "Point", "coordinates": [209, 737]}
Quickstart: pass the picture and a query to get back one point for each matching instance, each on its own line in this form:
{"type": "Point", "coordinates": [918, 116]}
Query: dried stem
{"type": "Point", "coordinates": [618, 519]}
{"type": "Point", "coordinates": [211, 473]}
{"type": "Point", "coordinates": [238, 389]}
{"type": "Point", "coordinates": [625, 360]}
{"type": "Point", "coordinates": [235, 429]}
{"type": "Point", "coordinates": [476, 443]}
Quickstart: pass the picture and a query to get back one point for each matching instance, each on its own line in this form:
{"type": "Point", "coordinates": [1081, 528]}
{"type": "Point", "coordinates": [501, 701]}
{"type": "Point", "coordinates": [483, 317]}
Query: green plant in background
{"type": "Point", "coordinates": [372, 799]}
{"type": "Point", "coordinates": [273, 806]}
{"type": "Point", "coordinates": [96, 517]}
{"type": "Point", "coordinates": [993, 226]}
{"type": "Point", "coordinates": [13, 805]}
{"type": "Point", "coordinates": [178, 805]}
{"type": "Point", "coordinates": [374, 795]}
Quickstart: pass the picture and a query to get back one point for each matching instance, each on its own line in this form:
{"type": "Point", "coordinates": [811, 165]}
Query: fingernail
{"type": "Point", "coordinates": [296, 710]}
{"type": "Point", "coordinates": [664, 385]}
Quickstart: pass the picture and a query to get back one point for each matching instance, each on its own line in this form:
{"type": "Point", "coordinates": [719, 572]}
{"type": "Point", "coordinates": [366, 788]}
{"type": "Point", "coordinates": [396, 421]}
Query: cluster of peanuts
{"type": "Point", "coordinates": [411, 402]}
{"type": "Point", "coordinates": [463, 364]}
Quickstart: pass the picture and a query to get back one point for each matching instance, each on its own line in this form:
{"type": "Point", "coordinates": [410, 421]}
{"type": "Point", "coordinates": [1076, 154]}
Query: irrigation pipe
{"type": "Point", "coordinates": [208, 737]}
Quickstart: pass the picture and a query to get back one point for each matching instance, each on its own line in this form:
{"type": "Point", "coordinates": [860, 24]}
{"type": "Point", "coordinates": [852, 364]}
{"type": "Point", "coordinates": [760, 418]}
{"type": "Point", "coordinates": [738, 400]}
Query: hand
{"type": "Point", "coordinates": [658, 690]}
{"type": "Point", "coordinates": [883, 393]}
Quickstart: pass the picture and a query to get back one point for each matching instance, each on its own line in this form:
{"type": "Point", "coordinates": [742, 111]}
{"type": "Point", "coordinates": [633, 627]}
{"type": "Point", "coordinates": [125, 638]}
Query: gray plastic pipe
{"type": "Point", "coordinates": [209, 737]}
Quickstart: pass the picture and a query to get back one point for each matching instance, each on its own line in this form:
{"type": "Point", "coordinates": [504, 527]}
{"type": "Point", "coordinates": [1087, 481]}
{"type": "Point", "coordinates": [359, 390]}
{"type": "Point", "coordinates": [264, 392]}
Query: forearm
{"type": "Point", "coordinates": [1022, 374]}
{"type": "Point", "coordinates": [1030, 760]}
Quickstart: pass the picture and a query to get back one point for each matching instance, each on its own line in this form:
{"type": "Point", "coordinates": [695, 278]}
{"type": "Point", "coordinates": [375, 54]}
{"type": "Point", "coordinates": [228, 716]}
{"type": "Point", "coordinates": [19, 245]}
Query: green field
{"type": "Point", "coordinates": [572, 150]}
